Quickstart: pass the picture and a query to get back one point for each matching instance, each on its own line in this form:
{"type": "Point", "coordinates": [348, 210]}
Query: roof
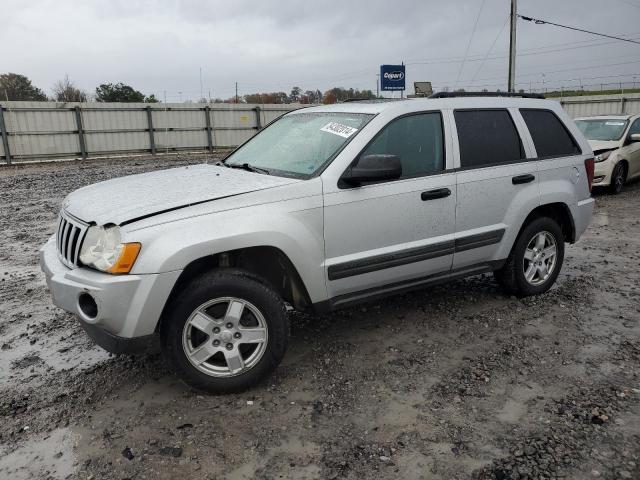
{"type": "Point", "coordinates": [418, 104]}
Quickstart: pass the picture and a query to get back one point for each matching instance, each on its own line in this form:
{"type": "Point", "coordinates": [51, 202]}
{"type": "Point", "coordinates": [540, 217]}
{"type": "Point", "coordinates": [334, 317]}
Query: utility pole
{"type": "Point", "coordinates": [236, 92]}
{"type": "Point", "coordinates": [512, 47]}
{"type": "Point", "coordinates": [377, 85]}
{"type": "Point", "coordinates": [201, 93]}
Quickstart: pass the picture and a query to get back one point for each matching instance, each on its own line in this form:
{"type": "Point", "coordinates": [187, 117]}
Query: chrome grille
{"type": "Point", "coordinates": [70, 235]}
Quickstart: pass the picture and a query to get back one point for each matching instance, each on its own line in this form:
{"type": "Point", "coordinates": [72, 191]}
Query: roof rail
{"type": "Point", "coordinates": [486, 94]}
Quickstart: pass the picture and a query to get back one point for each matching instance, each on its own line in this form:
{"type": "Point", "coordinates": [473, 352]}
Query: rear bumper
{"type": "Point", "coordinates": [126, 306]}
{"type": "Point", "coordinates": [582, 212]}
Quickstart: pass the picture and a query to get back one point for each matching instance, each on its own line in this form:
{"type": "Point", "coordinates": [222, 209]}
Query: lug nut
{"type": "Point", "coordinates": [229, 346]}
{"type": "Point", "coordinates": [216, 330]}
{"type": "Point", "coordinates": [229, 325]}
{"type": "Point", "coordinates": [237, 335]}
{"type": "Point", "coordinates": [216, 343]}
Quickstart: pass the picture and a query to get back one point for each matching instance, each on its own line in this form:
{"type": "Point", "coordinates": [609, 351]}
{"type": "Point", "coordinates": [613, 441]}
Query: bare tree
{"type": "Point", "coordinates": [65, 91]}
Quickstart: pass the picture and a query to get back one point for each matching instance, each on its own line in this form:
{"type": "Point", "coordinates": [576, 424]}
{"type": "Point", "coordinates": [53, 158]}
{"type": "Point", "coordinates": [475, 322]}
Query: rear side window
{"type": "Point", "coordinates": [550, 137]}
{"type": "Point", "coordinates": [487, 137]}
{"type": "Point", "coordinates": [418, 141]}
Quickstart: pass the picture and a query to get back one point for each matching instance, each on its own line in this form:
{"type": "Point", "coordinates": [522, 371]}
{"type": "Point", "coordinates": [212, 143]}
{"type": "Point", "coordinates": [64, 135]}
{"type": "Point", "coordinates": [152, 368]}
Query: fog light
{"type": "Point", "coordinates": [88, 305]}
{"type": "Point", "coordinates": [598, 179]}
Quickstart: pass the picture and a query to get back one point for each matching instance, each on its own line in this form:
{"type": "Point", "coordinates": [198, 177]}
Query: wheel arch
{"type": "Point", "coordinates": [558, 211]}
{"type": "Point", "coordinates": [268, 264]}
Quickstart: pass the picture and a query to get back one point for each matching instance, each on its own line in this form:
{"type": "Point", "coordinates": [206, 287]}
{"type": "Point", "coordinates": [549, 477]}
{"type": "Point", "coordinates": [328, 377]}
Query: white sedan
{"type": "Point", "coordinates": [615, 140]}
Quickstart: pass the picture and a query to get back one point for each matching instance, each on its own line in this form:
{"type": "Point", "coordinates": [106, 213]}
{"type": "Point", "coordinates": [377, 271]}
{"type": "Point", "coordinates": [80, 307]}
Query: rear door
{"type": "Point", "coordinates": [496, 184]}
{"type": "Point", "coordinates": [558, 156]}
{"type": "Point", "coordinates": [386, 235]}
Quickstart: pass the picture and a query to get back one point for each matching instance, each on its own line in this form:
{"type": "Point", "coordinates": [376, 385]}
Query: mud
{"type": "Point", "coordinates": [457, 381]}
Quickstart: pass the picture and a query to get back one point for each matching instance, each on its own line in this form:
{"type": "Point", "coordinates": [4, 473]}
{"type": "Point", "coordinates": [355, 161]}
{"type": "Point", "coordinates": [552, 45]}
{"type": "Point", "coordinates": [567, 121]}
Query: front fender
{"type": "Point", "coordinates": [294, 226]}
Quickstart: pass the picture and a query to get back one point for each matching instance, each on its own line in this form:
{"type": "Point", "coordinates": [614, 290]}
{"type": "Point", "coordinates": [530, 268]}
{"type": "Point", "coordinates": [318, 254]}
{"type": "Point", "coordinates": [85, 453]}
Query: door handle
{"type": "Point", "coordinates": [519, 179]}
{"type": "Point", "coordinates": [434, 194]}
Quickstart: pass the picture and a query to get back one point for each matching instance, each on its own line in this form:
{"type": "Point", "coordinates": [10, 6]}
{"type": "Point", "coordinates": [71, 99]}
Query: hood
{"type": "Point", "coordinates": [604, 144]}
{"type": "Point", "coordinates": [125, 199]}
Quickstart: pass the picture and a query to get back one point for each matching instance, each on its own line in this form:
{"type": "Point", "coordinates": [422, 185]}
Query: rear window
{"type": "Point", "coordinates": [550, 137]}
{"type": "Point", "coordinates": [487, 137]}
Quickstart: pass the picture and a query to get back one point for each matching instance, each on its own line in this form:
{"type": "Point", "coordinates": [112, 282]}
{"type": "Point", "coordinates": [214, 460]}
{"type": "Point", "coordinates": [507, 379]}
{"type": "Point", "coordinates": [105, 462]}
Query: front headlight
{"type": "Point", "coordinates": [603, 156]}
{"type": "Point", "coordinates": [103, 250]}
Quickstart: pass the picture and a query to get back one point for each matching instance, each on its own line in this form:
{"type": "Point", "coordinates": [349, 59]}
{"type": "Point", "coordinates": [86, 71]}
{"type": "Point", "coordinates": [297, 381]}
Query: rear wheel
{"type": "Point", "coordinates": [618, 177]}
{"type": "Point", "coordinates": [225, 332]}
{"type": "Point", "coordinates": [535, 260]}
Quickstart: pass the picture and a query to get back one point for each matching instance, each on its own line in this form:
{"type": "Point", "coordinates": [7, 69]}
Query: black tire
{"type": "Point", "coordinates": [618, 177]}
{"type": "Point", "coordinates": [512, 275]}
{"type": "Point", "coordinates": [214, 285]}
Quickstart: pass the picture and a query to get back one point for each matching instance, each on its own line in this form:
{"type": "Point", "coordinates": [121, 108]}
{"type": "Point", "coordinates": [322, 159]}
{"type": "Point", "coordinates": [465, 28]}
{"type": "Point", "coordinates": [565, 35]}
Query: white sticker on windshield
{"type": "Point", "coordinates": [339, 129]}
{"type": "Point", "coordinates": [615, 124]}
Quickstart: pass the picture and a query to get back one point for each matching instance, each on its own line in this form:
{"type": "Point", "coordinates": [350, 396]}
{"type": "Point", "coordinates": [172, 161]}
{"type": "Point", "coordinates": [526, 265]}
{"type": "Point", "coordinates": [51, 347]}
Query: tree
{"type": "Point", "coordinates": [294, 96]}
{"type": "Point", "coordinates": [273, 97]}
{"type": "Point", "coordinates": [18, 87]}
{"type": "Point", "coordinates": [119, 92]}
{"type": "Point", "coordinates": [329, 97]}
{"type": "Point", "coordinates": [65, 91]}
{"type": "Point", "coordinates": [151, 99]}
{"type": "Point", "coordinates": [341, 94]}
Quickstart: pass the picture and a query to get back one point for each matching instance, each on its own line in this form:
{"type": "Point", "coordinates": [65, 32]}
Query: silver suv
{"type": "Point", "coordinates": [326, 207]}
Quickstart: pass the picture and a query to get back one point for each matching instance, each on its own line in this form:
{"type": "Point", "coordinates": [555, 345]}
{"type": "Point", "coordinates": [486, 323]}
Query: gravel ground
{"type": "Point", "coordinates": [458, 381]}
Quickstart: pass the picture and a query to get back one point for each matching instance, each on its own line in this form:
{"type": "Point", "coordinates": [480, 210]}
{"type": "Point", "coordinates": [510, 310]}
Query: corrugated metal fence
{"type": "Point", "coordinates": [587, 106]}
{"type": "Point", "coordinates": [45, 130]}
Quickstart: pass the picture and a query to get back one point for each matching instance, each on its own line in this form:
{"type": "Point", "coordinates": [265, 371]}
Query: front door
{"type": "Point", "coordinates": [385, 235]}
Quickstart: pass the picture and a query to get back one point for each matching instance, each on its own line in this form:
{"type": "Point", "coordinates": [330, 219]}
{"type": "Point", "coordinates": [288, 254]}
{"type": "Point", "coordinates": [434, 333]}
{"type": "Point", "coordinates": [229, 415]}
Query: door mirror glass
{"type": "Point", "coordinates": [635, 137]}
{"type": "Point", "coordinates": [373, 168]}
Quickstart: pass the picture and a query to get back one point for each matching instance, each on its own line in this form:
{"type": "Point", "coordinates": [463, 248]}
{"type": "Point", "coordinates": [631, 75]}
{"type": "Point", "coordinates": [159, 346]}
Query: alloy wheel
{"type": "Point", "coordinates": [540, 258]}
{"type": "Point", "coordinates": [225, 337]}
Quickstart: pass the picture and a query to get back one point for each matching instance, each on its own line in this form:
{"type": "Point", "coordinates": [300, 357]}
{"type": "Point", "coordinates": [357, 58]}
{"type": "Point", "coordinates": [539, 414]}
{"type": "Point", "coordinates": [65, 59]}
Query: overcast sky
{"type": "Point", "coordinates": [160, 46]}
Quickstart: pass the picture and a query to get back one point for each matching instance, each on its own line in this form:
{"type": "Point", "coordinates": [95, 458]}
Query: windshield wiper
{"type": "Point", "coordinates": [248, 168]}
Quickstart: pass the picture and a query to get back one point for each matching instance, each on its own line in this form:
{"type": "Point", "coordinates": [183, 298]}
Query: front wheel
{"type": "Point", "coordinates": [225, 332]}
{"type": "Point", "coordinates": [618, 177]}
{"type": "Point", "coordinates": [535, 260]}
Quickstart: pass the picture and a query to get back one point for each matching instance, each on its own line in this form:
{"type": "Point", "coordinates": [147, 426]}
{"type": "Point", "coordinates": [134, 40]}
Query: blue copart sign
{"type": "Point", "coordinates": [392, 77]}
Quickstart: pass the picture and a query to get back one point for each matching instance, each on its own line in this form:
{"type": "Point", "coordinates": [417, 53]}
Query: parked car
{"type": "Point", "coordinates": [326, 207]}
{"type": "Point", "coordinates": [615, 141]}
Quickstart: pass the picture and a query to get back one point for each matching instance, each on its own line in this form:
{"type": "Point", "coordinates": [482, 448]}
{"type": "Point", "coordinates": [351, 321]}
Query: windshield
{"type": "Point", "coordinates": [602, 129]}
{"type": "Point", "coordinates": [299, 144]}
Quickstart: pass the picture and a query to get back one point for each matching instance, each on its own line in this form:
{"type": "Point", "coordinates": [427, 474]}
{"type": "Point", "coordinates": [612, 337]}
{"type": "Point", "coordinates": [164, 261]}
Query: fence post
{"type": "Point", "coordinates": [207, 120]}
{"type": "Point", "coordinates": [152, 140]}
{"type": "Point", "coordinates": [258, 119]}
{"type": "Point", "coordinates": [622, 102]}
{"type": "Point", "coordinates": [83, 147]}
{"type": "Point", "coordinates": [5, 138]}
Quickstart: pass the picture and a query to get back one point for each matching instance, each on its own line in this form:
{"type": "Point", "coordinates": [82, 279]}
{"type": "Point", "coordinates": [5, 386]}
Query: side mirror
{"type": "Point", "coordinates": [373, 168]}
{"type": "Point", "coordinates": [634, 138]}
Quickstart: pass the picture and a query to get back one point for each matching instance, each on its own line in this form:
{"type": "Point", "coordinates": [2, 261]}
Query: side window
{"type": "Point", "coordinates": [487, 137]}
{"type": "Point", "coordinates": [418, 141]}
{"type": "Point", "coordinates": [635, 128]}
{"type": "Point", "coordinates": [550, 136]}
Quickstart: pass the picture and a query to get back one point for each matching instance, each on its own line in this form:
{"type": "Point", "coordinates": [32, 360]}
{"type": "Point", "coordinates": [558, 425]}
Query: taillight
{"type": "Point", "coordinates": [589, 165]}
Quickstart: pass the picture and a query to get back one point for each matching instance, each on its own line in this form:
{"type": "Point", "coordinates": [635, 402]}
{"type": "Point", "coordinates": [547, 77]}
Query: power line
{"type": "Point", "coordinates": [473, 32]}
{"type": "Point", "coordinates": [484, 60]}
{"type": "Point", "coordinates": [537, 21]}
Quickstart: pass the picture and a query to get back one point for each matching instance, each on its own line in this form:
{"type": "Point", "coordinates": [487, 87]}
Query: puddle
{"type": "Point", "coordinates": [49, 354]}
{"type": "Point", "coordinates": [51, 457]}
